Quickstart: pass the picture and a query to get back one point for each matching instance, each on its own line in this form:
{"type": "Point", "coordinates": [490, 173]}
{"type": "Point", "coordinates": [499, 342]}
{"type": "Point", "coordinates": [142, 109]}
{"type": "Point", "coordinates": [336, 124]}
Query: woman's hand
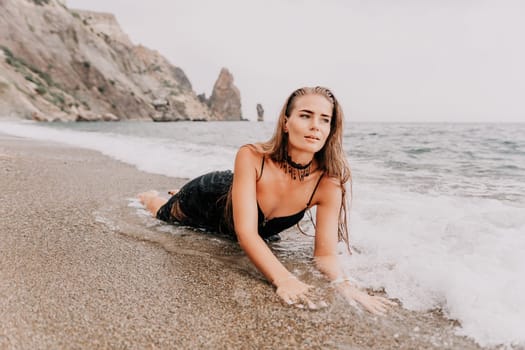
{"type": "Point", "coordinates": [372, 303]}
{"type": "Point", "coordinates": [294, 292]}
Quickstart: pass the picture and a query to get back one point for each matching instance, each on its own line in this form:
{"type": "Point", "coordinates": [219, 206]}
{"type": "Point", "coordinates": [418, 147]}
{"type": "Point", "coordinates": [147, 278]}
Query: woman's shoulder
{"type": "Point", "coordinates": [250, 157]}
{"type": "Point", "coordinates": [250, 153]}
{"type": "Point", "coordinates": [328, 188]}
{"type": "Point", "coordinates": [255, 148]}
{"type": "Point", "coordinates": [330, 183]}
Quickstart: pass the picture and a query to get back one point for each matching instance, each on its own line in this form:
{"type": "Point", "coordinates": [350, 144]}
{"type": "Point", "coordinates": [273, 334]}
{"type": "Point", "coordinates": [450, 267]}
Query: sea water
{"type": "Point", "coordinates": [437, 213]}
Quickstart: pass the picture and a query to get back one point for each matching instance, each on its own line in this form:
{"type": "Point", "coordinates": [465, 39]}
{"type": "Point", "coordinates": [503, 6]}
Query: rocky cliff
{"type": "Point", "coordinates": [62, 64]}
{"type": "Point", "coordinates": [225, 100]}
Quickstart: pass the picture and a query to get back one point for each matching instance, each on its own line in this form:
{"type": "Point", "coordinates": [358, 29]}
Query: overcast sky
{"type": "Point", "coordinates": [405, 60]}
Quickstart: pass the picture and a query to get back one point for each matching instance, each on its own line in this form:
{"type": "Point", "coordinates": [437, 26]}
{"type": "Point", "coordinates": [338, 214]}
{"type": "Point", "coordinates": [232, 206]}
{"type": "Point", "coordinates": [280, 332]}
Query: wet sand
{"type": "Point", "coordinates": [69, 278]}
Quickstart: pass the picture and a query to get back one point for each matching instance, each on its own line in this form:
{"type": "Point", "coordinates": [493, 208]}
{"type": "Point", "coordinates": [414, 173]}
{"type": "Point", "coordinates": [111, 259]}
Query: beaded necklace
{"type": "Point", "coordinates": [294, 169]}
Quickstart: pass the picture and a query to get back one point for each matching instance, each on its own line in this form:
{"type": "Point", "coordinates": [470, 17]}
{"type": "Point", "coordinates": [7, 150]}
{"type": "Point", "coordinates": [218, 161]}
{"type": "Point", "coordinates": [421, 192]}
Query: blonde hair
{"type": "Point", "coordinates": [331, 159]}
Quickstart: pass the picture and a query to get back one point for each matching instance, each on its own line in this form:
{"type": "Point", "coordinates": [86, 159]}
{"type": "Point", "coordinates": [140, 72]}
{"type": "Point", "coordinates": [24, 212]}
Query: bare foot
{"type": "Point", "coordinates": [146, 197]}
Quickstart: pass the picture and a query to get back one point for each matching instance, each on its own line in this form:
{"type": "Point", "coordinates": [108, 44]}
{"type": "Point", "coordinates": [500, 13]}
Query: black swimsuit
{"type": "Point", "coordinates": [203, 199]}
{"type": "Point", "coordinates": [275, 225]}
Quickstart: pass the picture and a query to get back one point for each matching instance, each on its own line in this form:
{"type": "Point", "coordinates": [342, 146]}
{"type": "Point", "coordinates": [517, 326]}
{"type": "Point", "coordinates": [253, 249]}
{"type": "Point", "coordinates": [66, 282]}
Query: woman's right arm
{"type": "Point", "coordinates": [245, 217]}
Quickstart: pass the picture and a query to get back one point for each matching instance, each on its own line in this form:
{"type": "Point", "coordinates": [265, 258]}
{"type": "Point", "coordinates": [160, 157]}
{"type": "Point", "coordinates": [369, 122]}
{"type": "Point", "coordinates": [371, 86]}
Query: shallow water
{"type": "Point", "coordinates": [437, 210]}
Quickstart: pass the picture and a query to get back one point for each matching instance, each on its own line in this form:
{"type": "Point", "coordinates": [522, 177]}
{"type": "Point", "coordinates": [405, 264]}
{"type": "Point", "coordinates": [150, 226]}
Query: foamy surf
{"type": "Point", "coordinates": [152, 155]}
{"type": "Point", "coordinates": [461, 255]}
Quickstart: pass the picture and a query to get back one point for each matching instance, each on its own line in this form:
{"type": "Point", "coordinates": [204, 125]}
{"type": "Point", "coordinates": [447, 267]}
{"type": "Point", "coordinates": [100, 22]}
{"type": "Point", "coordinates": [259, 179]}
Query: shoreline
{"type": "Point", "coordinates": [68, 279]}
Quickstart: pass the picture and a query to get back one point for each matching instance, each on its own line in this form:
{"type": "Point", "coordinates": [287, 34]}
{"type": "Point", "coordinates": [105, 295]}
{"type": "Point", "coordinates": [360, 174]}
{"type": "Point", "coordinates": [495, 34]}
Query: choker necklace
{"type": "Point", "coordinates": [295, 170]}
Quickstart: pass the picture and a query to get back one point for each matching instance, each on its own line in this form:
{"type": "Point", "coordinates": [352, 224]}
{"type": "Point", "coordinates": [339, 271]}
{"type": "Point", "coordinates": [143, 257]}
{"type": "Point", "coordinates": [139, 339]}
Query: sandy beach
{"type": "Point", "coordinates": [77, 270]}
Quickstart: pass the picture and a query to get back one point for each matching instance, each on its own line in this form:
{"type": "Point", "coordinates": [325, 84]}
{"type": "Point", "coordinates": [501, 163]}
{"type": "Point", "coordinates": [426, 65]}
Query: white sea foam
{"type": "Point", "coordinates": [153, 155]}
{"type": "Point", "coordinates": [429, 249]}
{"type": "Point", "coordinates": [463, 255]}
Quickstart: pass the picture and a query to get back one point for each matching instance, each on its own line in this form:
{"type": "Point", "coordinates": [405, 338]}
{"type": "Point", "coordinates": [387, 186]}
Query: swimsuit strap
{"type": "Point", "coordinates": [315, 189]}
{"type": "Point", "coordinates": [252, 146]}
{"type": "Point", "coordinates": [262, 168]}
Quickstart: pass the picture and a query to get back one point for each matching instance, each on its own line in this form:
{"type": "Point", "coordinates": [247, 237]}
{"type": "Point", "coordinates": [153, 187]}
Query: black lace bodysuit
{"type": "Point", "coordinates": [202, 201]}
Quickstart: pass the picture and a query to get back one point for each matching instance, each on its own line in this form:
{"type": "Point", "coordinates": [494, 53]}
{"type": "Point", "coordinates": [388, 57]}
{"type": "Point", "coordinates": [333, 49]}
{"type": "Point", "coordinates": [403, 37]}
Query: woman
{"type": "Point", "coordinates": [301, 166]}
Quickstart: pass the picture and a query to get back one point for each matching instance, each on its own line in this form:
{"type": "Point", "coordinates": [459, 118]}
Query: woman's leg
{"type": "Point", "coordinates": [152, 201]}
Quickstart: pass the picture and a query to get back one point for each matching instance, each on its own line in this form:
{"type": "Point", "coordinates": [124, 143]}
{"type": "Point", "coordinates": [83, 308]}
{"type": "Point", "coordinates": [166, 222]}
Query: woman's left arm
{"type": "Point", "coordinates": [326, 258]}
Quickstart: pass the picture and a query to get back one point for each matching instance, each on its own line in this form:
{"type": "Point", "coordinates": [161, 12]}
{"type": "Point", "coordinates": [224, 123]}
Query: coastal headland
{"type": "Point", "coordinates": [62, 64]}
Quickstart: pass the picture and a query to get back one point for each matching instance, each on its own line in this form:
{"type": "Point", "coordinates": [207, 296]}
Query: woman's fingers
{"type": "Point", "coordinates": [314, 299]}
{"type": "Point", "coordinates": [381, 305]}
{"type": "Point", "coordinates": [384, 303]}
{"type": "Point", "coordinates": [388, 301]}
{"type": "Point", "coordinates": [301, 295]}
{"type": "Point", "coordinates": [302, 298]}
{"type": "Point", "coordinates": [287, 299]}
{"type": "Point", "coordinates": [375, 304]}
{"type": "Point", "coordinates": [380, 309]}
{"type": "Point", "coordinates": [375, 308]}
{"type": "Point", "coordinates": [353, 303]}
{"type": "Point", "coordinates": [306, 301]}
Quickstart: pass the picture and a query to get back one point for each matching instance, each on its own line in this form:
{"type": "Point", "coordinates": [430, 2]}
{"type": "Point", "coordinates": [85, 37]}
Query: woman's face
{"type": "Point", "coordinates": [308, 124]}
